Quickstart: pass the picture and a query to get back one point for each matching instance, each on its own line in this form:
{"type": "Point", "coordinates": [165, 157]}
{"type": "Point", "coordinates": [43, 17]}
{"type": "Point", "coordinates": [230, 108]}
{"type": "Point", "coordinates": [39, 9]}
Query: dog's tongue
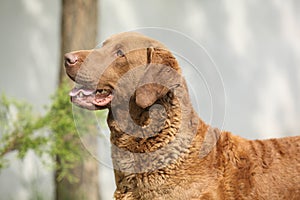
{"type": "Point", "coordinates": [102, 100]}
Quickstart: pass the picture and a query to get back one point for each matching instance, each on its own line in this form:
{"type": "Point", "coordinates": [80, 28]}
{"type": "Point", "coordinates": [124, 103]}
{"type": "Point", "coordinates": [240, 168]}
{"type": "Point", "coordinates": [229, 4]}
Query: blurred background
{"type": "Point", "coordinates": [255, 45]}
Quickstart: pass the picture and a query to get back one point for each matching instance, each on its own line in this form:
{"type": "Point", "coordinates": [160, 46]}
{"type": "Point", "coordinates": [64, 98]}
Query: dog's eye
{"type": "Point", "coordinates": [120, 52]}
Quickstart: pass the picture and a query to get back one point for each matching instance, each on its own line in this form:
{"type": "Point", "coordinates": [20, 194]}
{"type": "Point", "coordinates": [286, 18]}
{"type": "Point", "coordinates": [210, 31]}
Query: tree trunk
{"type": "Point", "coordinates": [79, 27]}
{"type": "Point", "coordinates": [79, 31]}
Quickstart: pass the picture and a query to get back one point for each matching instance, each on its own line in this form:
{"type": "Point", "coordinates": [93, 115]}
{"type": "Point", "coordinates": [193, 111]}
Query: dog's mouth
{"type": "Point", "coordinates": [91, 99]}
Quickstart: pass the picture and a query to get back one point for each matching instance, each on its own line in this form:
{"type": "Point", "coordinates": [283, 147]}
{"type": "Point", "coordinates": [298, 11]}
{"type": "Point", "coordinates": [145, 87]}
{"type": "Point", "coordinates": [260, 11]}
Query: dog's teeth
{"type": "Point", "coordinates": [99, 92]}
{"type": "Point", "coordinates": [80, 94]}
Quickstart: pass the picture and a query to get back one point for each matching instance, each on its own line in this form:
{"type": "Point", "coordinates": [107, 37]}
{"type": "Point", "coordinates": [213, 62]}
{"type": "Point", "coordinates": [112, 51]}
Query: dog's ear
{"type": "Point", "coordinates": [160, 76]}
{"type": "Point", "coordinates": [150, 51]}
{"type": "Point", "coordinates": [147, 94]}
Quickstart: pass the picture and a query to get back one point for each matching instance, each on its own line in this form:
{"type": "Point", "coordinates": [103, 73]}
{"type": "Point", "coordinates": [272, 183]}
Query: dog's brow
{"type": "Point", "coordinates": [118, 46]}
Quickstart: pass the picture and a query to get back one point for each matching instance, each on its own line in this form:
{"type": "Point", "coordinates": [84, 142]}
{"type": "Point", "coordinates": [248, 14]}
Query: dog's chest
{"type": "Point", "coordinates": [167, 184]}
{"type": "Point", "coordinates": [143, 186]}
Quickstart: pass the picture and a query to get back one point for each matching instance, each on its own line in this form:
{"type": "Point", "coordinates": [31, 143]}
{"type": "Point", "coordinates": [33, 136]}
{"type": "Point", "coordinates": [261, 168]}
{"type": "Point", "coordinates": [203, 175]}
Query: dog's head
{"type": "Point", "coordinates": [97, 72]}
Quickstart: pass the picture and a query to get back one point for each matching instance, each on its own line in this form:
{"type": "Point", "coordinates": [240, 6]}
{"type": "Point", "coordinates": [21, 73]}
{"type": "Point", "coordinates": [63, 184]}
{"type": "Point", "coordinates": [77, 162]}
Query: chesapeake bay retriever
{"type": "Point", "coordinates": [161, 149]}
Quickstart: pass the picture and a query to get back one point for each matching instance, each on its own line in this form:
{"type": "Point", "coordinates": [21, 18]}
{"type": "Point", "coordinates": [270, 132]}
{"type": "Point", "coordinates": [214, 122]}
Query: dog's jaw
{"type": "Point", "coordinates": [91, 99]}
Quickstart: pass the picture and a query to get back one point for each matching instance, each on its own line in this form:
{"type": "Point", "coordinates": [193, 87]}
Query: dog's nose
{"type": "Point", "coordinates": [70, 59]}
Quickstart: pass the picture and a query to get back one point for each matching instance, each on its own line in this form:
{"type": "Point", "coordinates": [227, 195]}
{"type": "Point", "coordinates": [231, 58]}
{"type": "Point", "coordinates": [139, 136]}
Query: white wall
{"type": "Point", "coordinates": [255, 45]}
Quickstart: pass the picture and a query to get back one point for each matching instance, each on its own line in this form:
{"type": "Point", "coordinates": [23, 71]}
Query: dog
{"type": "Point", "coordinates": [161, 149]}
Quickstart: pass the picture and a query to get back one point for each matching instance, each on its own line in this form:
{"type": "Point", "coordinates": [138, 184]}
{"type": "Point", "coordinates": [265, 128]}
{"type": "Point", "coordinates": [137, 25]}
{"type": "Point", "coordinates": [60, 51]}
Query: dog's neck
{"type": "Point", "coordinates": [145, 125]}
{"type": "Point", "coordinates": [154, 140]}
{"type": "Point", "coordinates": [150, 134]}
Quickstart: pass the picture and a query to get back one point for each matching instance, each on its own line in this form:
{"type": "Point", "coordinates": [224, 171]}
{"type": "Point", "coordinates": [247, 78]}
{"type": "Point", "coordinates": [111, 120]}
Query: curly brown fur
{"type": "Point", "coordinates": [160, 148]}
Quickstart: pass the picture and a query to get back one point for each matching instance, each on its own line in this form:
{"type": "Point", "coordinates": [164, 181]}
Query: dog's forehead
{"type": "Point", "coordinates": [132, 40]}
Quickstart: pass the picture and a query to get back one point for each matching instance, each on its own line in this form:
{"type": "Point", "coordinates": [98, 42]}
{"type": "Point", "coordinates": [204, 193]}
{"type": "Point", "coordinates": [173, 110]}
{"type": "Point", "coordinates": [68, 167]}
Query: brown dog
{"type": "Point", "coordinates": [160, 147]}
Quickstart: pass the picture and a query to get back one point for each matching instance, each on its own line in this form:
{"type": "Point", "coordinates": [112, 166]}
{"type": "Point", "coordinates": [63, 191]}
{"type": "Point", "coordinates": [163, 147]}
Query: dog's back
{"type": "Point", "coordinates": [260, 169]}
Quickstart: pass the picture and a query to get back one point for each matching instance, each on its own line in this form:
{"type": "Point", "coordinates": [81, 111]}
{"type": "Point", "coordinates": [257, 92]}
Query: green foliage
{"type": "Point", "coordinates": [64, 148]}
{"type": "Point", "coordinates": [53, 134]}
{"type": "Point", "coordinates": [18, 125]}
